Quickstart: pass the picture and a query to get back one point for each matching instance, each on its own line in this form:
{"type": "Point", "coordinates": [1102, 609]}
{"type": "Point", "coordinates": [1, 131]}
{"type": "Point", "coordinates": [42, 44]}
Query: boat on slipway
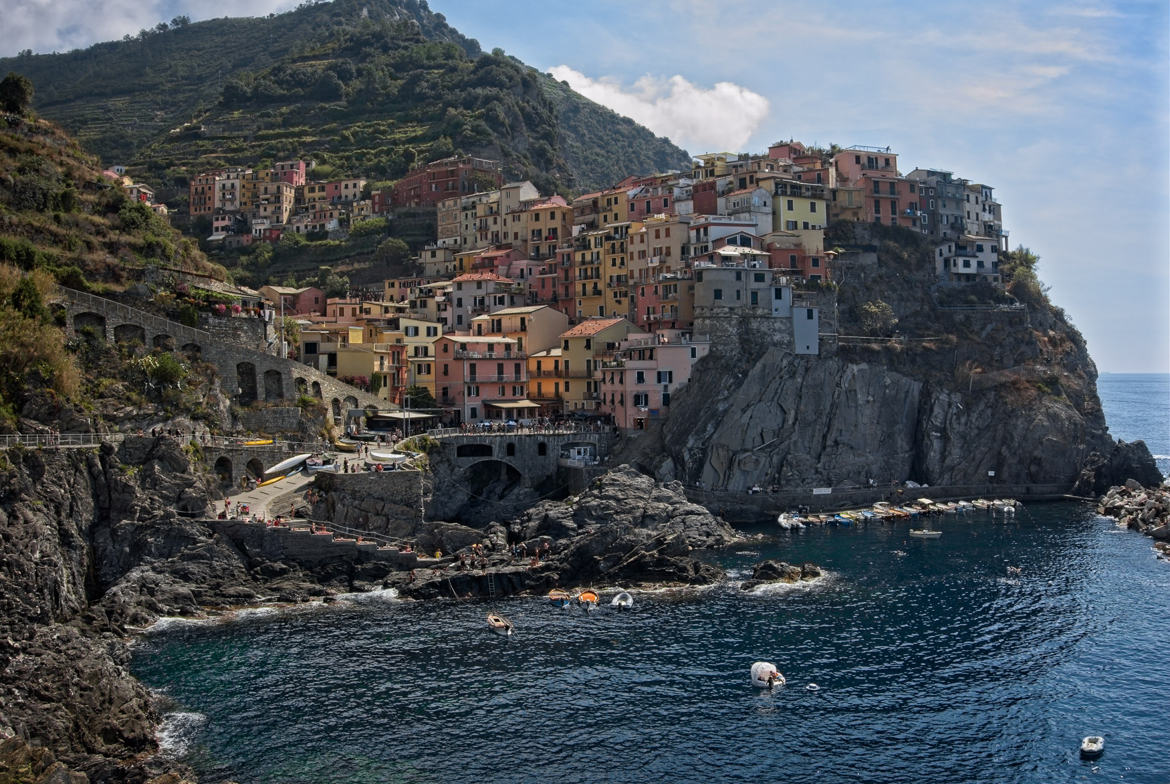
{"type": "Point", "coordinates": [289, 465]}
{"type": "Point", "coordinates": [499, 624]}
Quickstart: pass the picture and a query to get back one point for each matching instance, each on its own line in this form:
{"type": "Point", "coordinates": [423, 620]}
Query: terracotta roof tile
{"type": "Point", "coordinates": [591, 327]}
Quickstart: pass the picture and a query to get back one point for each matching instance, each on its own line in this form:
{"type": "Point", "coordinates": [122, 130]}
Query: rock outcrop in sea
{"type": "Point", "coordinates": [768, 572]}
{"type": "Point", "coordinates": [1144, 509]}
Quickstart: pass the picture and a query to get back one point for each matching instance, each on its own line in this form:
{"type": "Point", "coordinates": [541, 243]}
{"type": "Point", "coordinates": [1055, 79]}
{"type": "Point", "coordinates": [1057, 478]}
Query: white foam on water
{"type": "Point", "coordinates": [248, 613]}
{"type": "Point", "coordinates": [364, 597]}
{"type": "Point", "coordinates": [171, 623]}
{"type": "Point", "coordinates": [769, 589]}
{"type": "Point", "coordinates": [178, 731]}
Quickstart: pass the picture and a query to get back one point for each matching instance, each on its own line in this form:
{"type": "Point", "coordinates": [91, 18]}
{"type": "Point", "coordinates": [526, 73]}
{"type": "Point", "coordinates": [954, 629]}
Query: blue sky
{"type": "Point", "coordinates": [1062, 107]}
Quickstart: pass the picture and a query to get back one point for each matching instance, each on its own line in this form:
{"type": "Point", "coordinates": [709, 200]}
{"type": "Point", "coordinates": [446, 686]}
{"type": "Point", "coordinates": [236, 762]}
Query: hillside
{"type": "Point", "coordinates": [59, 214]}
{"type": "Point", "coordinates": [369, 87]}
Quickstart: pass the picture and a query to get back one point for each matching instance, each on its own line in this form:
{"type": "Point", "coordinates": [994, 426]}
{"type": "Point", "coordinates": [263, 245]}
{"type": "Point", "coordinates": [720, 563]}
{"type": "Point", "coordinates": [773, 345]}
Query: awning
{"type": "Point", "coordinates": [513, 404]}
{"type": "Point", "coordinates": [401, 415]}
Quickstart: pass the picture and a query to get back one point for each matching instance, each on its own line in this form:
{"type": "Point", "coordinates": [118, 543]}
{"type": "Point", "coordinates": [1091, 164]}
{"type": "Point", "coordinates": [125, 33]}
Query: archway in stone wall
{"type": "Point", "coordinates": [246, 378]}
{"type": "Point", "coordinates": [193, 350]}
{"type": "Point", "coordinates": [223, 469]}
{"type": "Point", "coordinates": [273, 385]}
{"type": "Point", "coordinates": [85, 324]}
{"type": "Point", "coordinates": [255, 468]}
{"type": "Point", "coordinates": [317, 390]}
{"type": "Point", "coordinates": [301, 385]}
{"type": "Point", "coordinates": [350, 402]}
{"type": "Point", "coordinates": [129, 334]}
{"type": "Point", "coordinates": [494, 489]}
{"type": "Point", "coordinates": [336, 409]}
{"type": "Point", "coordinates": [165, 342]}
{"type": "Point", "coordinates": [473, 450]}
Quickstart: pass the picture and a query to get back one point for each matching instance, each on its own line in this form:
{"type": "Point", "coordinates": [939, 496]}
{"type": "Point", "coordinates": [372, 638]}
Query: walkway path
{"type": "Point", "coordinates": [260, 499]}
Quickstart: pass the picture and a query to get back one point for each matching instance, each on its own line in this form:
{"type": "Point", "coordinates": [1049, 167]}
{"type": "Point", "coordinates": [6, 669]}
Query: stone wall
{"type": "Point", "coordinates": [274, 419]}
{"type": "Point", "coordinates": [249, 332]}
{"type": "Point", "coordinates": [301, 546]}
{"type": "Point", "coordinates": [390, 502]}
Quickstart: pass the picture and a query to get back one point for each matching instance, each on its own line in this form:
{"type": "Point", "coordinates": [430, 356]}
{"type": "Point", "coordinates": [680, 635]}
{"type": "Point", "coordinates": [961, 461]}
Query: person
{"type": "Point", "coordinates": [438, 553]}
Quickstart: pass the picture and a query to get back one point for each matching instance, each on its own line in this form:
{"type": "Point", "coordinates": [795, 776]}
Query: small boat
{"type": "Point", "coordinates": [788, 521]}
{"type": "Point", "coordinates": [313, 467]}
{"type": "Point", "coordinates": [766, 676]}
{"type": "Point", "coordinates": [1092, 746]}
{"type": "Point", "coordinates": [271, 481]}
{"type": "Point", "coordinates": [286, 466]}
{"type": "Point", "coordinates": [623, 601]}
{"type": "Point", "coordinates": [259, 442]}
{"type": "Point", "coordinates": [387, 458]}
{"type": "Point", "coordinates": [560, 598]}
{"type": "Point", "coordinates": [587, 599]}
{"type": "Point", "coordinates": [842, 520]}
{"type": "Point", "coordinates": [925, 533]}
{"type": "Point", "coordinates": [499, 624]}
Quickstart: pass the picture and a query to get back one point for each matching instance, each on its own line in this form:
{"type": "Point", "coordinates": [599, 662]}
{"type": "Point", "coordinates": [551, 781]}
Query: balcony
{"type": "Point", "coordinates": [464, 354]}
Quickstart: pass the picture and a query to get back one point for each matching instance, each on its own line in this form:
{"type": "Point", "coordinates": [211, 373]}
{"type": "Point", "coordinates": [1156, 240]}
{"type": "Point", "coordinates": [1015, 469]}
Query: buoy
{"type": "Point", "coordinates": [813, 687]}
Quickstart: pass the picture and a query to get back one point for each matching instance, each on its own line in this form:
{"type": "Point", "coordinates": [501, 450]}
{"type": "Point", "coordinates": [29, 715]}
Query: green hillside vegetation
{"type": "Point", "coordinates": [60, 215]}
{"type": "Point", "coordinates": [368, 87]}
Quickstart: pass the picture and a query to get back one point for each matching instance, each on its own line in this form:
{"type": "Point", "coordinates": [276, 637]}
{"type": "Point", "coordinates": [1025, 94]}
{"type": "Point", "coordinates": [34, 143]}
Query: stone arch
{"type": "Point", "coordinates": [473, 450]}
{"type": "Point", "coordinates": [223, 469]}
{"type": "Point", "coordinates": [541, 448]}
{"type": "Point", "coordinates": [255, 468]}
{"type": "Point", "coordinates": [510, 449]}
{"type": "Point", "coordinates": [90, 321]}
{"type": "Point", "coordinates": [164, 342]}
{"type": "Point", "coordinates": [336, 405]}
{"type": "Point", "coordinates": [317, 390]}
{"type": "Point", "coordinates": [273, 385]}
{"type": "Point", "coordinates": [302, 386]}
{"type": "Point", "coordinates": [129, 333]}
{"type": "Point", "coordinates": [193, 350]}
{"type": "Point", "coordinates": [246, 381]}
{"type": "Point", "coordinates": [350, 402]}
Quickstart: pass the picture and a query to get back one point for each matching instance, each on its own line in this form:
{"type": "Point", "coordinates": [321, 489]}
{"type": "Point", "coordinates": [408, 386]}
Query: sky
{"type": "Point", "coordinates": [1062, 107]}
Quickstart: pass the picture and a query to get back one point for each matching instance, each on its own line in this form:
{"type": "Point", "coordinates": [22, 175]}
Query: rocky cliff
{"type": "Point", "coordinates": [955, 393]}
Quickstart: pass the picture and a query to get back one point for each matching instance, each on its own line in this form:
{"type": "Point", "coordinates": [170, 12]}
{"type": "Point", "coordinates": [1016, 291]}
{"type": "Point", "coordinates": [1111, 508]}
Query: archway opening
{"type": "Point", "coordinates": [223, 469]}
{"type": "Point", "coordinates": [255, 468]}
{"type": "Point", "coordinates": [129, 335]}
{"type": "Point", "coordinates": [164, 342]}
{"type": "Point", "coordinates": [273, 385]}
{"type": "Point", "coordinates": [246, 378]}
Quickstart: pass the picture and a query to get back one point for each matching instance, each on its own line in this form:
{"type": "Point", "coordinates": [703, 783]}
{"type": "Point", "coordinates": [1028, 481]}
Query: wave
{"type": "Point", "coordinates": [369, 597]}
{"type": "Point", "coordinates": [768, 589]}
{"type": "Point", "coordinates": [172, 622]}
{"type": "Point", "coordinates": [178, 732]}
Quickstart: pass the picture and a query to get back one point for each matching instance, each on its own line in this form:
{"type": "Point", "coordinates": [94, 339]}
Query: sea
{"type": "Point", "coordinates": [910, 660]}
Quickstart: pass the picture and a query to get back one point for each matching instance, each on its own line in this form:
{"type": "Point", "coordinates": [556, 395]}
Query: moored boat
{"type": "Point", "coordinates": [587, 599]}
{"type": "Point", "coordinates": [766, 676]}
{"type": "Point", "coordinates": [560, 598]}
{"type": "Point", "coordinates": [623, 601]}
{"type": "Point", "coordinates": [1092, 746]}
{"type": "Point", "coordinates": [925, 533]}
{"type": "Point", "coordinates": [499, 624]}
{"type": "Point", "coordinates": [787, 520]}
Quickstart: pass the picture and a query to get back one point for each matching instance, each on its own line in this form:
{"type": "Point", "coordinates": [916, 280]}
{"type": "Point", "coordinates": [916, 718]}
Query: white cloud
{"type": "Point", "coordinates": [61, 25]}
{"type": "Point", "coordinates": [698, 119]}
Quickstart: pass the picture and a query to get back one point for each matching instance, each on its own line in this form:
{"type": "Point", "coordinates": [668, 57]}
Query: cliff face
{"type": "Point", "coordinates": [956, 394]}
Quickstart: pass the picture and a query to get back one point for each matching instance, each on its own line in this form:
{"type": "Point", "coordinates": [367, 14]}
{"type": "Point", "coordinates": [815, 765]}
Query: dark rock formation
{"type": "Point", "coordinates": [625, 528]}
{"type": "Point", "coordinates": [1125, 462]}
{"type": "Point", "coordinates": [767, 572]}
{"type": "Point", "coordinates": [967, 392]}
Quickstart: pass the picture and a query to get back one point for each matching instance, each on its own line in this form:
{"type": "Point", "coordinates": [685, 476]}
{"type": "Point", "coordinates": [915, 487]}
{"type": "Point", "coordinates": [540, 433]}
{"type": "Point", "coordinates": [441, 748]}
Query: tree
{"type": "Point", "coordinates": [416, 396]}
{"type": "Point", "coordinates": [16, 93]}
{"type": "Point", "coordinates": [1018, 268]}
{"type": "Point", "coordinates": [877, 318]}
{"type": "Point", "coordinates": [393, 251]}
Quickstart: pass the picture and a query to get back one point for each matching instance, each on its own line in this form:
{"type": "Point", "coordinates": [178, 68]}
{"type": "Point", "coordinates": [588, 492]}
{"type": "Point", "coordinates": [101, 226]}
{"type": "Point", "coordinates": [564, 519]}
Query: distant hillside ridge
{"type": "Point", "coordinates": [370, 87]}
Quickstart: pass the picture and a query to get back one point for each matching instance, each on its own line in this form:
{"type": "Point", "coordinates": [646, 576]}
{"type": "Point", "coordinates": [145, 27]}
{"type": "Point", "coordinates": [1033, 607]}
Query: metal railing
{"type": "Point", "coordinates": [59, 440]}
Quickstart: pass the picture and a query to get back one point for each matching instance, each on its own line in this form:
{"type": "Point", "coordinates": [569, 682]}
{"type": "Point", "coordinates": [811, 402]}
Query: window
{"type": "Point", "coordinates": [640, 377]}
{"type": "Point", "coordinates": [790, 204]}
{"type": "Point", "coordinates": [718, 294]}
{"type": "Point", "coordinates": [808, 313]}
{"type": "Point", "coordinates": [758, 277]}
{"type": "Point", "coordinates": [812, 206]}
{"type": "Point", "coordinates": [816, 261]}
{"type": "Point", "coordinates": [588, 343]}
{"type": "Point", "coordinates": [877, 207]}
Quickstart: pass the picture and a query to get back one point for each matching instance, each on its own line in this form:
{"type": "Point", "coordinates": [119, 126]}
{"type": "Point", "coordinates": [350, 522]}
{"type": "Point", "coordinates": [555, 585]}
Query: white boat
{"type": "Point", "coordinates": [499, 624]}
{"type": "Point", "coordinates": [285, 466]}
{"type": "Point", "coordinates": [387, 458]}
{"type": "Point", "coordinates": [623, 601]}
{"type": "Point", "coordinates": [789, 521]}
{"type": "Point", "coordinates": [925, 533]}
{"type": "Point", "coordinates": [1092, 746]}
{"type": "Point", "coordinates": [766, 676]}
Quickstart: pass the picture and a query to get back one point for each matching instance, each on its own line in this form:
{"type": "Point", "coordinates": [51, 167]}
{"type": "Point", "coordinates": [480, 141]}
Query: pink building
{"type": "Point", "coordinates": [649, 200]}
{"type": "Point", "coordinates": [482, 378]}
{"type": "Point", "coordinates": [636, 384]}
{"type": "Point", "coordinates": [292, 172]}
{"type": "Point", "coordinates": [296, 301]}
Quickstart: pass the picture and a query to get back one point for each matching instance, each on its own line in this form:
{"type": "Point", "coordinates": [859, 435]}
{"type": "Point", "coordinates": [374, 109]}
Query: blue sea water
{"type": "Point", "coordinates": [1137, 408]}
{"type": "Point", "coordinates": [933, 664]}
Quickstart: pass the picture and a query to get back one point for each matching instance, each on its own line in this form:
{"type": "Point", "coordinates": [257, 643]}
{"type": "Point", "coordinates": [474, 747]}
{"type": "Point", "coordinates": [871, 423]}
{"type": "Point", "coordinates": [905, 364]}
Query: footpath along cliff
{"type": "Point", "coordinates": [948, 385]}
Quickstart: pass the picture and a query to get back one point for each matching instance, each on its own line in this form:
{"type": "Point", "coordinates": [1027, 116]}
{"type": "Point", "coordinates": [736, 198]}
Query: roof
{"type": "Point", "coordinates": [512, 311]}
{"type": "Point", "coordinates": [482, 276]}
{"type": "Point", "coordinates": [556, 351]}
{"type": "Point", "coordinates": [512, 404]}
{"type": "Point", "coordinates": [477, 339]}
{"type": "Point", "coordinates": [497, 252]}
{"type": "Point", "coordinates": [591, 327]}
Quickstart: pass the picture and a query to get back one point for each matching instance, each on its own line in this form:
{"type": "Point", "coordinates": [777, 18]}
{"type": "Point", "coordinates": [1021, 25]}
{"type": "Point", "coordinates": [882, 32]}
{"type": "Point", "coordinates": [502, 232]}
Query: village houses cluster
{"type": "Point", "coordinates": [531, 306]}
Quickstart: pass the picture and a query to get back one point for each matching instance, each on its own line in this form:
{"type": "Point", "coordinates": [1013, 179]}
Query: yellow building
{"type": "Point", "coordinates": [799, 206]}
{"type": "Point", "coordinates": [656, 247]}
{"type": "Point", "coordinates": [615, 275]}
{"type": "Point", "coordinates": [587, 250]}
{"type": "Point", "coordinates": [582, 349]}
{"type": "Point", "coordinates": [615, 206]}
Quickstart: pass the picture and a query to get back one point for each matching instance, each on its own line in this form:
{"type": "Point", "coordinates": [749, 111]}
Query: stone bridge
{"type": "Point", "coordinates": [499, 474]}
{"type": "Point", "coordinates": [232, 461]}
{"type": "Point", "coordinates": [247, 375]}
